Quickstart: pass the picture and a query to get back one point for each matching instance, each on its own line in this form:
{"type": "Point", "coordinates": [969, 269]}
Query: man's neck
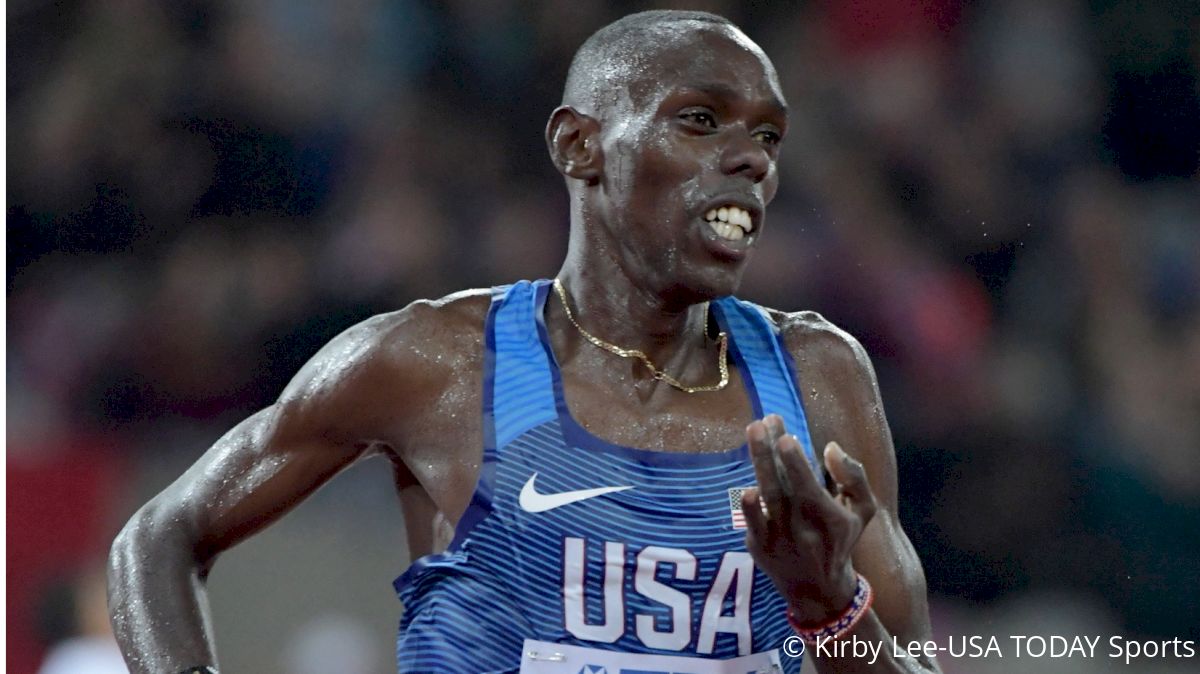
{"type": "Point", "coordinates": [616, 309]}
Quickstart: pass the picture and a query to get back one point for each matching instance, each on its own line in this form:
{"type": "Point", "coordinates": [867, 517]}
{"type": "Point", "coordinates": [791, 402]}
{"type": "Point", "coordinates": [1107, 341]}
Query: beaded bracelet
{"type": "Point", "coordinates": [841, 625]}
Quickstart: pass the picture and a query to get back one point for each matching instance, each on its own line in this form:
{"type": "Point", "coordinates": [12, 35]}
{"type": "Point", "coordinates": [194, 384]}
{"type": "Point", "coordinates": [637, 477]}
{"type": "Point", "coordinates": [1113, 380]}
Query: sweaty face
{"type": "Point", "coordinates": [690, 156]}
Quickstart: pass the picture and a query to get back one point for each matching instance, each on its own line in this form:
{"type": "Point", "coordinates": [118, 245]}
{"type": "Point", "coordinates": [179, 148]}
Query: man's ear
{"type": "Point", "coordinates": [574, 144]}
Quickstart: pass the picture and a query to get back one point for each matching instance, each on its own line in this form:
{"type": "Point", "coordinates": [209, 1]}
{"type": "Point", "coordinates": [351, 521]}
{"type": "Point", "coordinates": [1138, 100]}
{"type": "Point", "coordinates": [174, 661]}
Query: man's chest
{"type": "Point", "coordinates": [446, 448]}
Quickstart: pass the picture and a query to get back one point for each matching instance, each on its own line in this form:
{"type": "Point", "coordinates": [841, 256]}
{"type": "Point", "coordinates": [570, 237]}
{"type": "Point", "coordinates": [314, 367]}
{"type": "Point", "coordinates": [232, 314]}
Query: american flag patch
{"type": "Point", "coordinates": [735, 507]}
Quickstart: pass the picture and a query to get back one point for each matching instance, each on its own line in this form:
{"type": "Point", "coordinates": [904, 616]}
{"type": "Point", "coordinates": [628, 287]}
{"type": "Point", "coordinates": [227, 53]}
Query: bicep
{"type": "Point", "coordinates": [886, 558]}
{"type": "Point", "coordinates": [852, 415]}
{"type": "Point", "coordinates": [249, 478]}
{"type": "Point", "coordinates": [327, 417]}
{"type": "Point", "coordinates": [884, 554]}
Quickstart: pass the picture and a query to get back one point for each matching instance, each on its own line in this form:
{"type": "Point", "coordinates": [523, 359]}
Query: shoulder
{"type": "Point", "coordinates": [814, 340]}
{"type": "Point", "coordinates": [845, 403]}
{"type": "Point", "coordinates": [412, 349]}
{"type": "Point", "coordinates": [440, 327]}
{"type": "Point", "coordinates": [456, 319]}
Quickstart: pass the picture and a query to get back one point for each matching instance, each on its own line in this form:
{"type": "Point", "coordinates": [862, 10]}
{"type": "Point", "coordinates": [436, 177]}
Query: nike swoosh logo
{"type": "Point", "coordinates": [533, 502]}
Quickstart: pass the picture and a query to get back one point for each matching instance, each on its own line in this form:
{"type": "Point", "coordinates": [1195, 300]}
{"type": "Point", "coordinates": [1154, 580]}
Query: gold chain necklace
{"type": "Point", "coordinates": [634, 353]}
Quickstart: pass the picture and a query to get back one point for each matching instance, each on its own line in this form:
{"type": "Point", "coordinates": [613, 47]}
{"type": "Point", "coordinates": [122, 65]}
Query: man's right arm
{"type": "Point", "coordinates": [341, 406]}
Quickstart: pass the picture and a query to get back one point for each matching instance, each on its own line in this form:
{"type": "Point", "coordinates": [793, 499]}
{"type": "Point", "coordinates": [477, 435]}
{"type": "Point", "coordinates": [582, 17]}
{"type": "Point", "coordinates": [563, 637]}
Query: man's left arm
{"type": "Point", "coordinates": [814, 544]}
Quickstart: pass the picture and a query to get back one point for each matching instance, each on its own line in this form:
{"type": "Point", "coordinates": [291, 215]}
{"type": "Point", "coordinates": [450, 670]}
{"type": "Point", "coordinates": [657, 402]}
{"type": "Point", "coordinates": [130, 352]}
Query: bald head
{"type": "Point", "coordinates": [618, 53]}
{"type": "Point", "coordinates": [668, 117]}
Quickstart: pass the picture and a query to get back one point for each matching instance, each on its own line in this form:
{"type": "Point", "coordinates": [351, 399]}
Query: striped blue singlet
{"type": "Point", "coordinates": [656, 567]}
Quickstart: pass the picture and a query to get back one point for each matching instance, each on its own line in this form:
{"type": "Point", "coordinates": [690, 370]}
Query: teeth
{"type": "Point", "coordinates": [730, 215]}
{"type": "Point", "coordinates": [726, 230]}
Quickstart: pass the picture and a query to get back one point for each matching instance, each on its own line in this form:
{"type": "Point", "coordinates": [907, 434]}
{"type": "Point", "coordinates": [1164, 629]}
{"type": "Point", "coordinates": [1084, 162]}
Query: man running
{"type": "Point", "coordinates": [608, 471]}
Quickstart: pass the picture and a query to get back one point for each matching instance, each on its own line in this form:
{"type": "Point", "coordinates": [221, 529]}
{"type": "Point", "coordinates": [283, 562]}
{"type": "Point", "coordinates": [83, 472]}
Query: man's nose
{"type": "Point", "coordinates": [745, 156]}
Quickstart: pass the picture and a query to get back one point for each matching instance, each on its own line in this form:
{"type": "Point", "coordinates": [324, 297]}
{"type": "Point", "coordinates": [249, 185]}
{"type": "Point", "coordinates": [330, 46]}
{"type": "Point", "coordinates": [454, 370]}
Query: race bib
{"type": "Point", "coordinates": [543, 657]}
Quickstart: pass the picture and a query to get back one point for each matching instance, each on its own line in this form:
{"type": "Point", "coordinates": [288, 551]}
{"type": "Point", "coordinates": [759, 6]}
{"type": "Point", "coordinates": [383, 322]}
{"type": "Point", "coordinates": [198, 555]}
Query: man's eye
{"type": "Point", "coordinates": [767, 137]}
{"type": "Point", "coordinates": [701, 117]}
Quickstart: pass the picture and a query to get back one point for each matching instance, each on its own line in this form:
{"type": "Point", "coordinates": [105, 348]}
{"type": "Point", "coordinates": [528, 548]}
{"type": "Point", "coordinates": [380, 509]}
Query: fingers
{"type": "Point", "coordinates": [797, 469]}
{"type": "Point", "coordinates": [807, 496]}
{"type": "Point", "coordinates": [785, 478]}
{"type": "Point", "coordinates": [757, 524]}
{"type": "Point", "coordinates": [852, 482]}
{"type": "Point", "coordinates": [770, 487]}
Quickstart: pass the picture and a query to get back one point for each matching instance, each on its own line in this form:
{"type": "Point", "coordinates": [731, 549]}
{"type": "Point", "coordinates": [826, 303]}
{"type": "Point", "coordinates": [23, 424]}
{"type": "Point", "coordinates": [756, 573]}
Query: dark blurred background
{"type": "Point", "coordinates": [999, 199]}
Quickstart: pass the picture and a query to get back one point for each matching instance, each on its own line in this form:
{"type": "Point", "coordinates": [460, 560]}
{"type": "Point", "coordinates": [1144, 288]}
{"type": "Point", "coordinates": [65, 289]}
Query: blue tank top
{"type": "Point", "coordinates": [651, 559]}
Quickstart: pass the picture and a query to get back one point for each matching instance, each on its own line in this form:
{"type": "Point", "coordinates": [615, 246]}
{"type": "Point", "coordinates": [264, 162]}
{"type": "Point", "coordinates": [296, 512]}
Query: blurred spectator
{"type": "Point", "coordinates": [75, 621]}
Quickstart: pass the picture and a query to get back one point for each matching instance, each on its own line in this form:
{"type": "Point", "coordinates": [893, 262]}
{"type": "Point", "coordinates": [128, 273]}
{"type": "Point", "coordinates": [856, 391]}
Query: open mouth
{"type": "Point", "coordinates": [729, 222]}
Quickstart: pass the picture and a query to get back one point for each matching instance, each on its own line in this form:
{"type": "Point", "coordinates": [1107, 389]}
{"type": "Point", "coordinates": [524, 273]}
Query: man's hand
{"type": "Point", "coordinates": [799, 534]}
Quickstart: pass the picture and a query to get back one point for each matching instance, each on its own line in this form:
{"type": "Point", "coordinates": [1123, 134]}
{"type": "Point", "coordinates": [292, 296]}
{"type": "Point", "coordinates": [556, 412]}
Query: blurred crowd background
{"type": "Point", "coordinates": [999, 199]}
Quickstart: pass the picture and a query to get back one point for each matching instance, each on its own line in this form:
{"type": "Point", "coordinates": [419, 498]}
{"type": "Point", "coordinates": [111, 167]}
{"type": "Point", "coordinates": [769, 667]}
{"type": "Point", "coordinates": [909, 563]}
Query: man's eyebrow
{"type": "Point", "coordinates": [720, 90]}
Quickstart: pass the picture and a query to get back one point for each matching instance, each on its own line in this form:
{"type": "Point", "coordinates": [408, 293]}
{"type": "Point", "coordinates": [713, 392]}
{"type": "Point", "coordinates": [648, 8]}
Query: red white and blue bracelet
{"type": "Point", "coordinates": [841, 625]}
